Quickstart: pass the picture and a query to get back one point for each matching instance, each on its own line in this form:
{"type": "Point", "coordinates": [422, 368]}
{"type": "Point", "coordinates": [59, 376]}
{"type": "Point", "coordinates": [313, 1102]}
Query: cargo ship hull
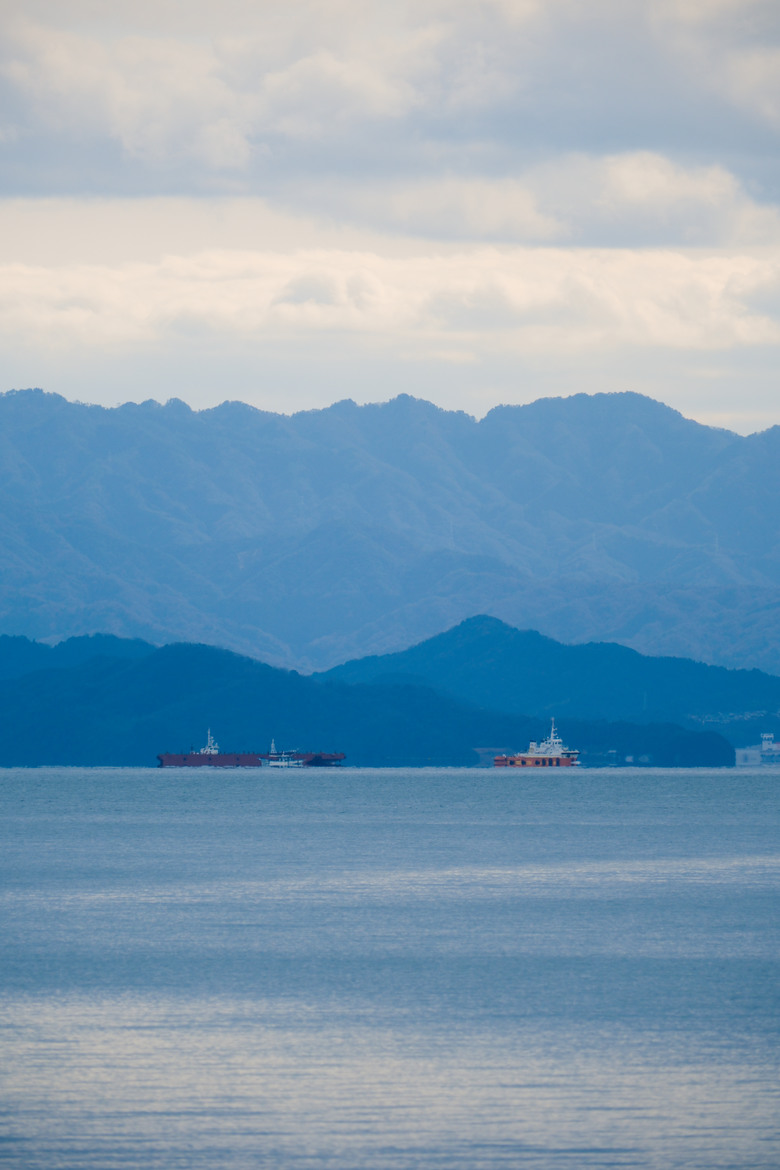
{"type": "Point", "coordinates": [249, 760]}
{"type": "Point", "coordinates": [201, 760]}
{"type": "Point", "coordinates": [535, 762]}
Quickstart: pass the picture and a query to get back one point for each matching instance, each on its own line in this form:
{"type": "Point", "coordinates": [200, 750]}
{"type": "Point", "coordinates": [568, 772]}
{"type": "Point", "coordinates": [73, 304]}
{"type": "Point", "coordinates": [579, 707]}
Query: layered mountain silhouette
{"type": "Point", "coordinates": [311, 539]}
{"type": "Point", "coordinates": [485, 662]}
{"type": "Point", "coordinates": [102, 701]}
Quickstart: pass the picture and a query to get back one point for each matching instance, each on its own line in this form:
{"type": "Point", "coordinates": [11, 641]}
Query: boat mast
{"type": "Point", "coordinates": [211, 748]}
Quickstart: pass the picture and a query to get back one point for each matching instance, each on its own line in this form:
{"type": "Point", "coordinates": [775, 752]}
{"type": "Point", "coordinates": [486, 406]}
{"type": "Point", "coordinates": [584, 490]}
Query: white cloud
{"type": "Point", "coordinates": [290, 330]}
{"type": "Point", "coordinates": [732, 46]}
{"type": "Point", "coordinates": [436, 185]}
{"type": "Point", "coordinates": [212, 84]}
{"type": "Point", "coordinates": [165, 97]}
{"type": "Point", "coordinates": [451, 207]}
{"type": "Point", "coordinates": [635, 198]}
{"type": "Point", "coordinates": [312, 92]}
{"type": "Point", "coordinates": [644, 197]}
{"type": "Point", "coordinates": [623, 200]}
{"type": "Point", "coordinates": [475, 299]}
{"type": "Point", "coordinates": [154, 97]}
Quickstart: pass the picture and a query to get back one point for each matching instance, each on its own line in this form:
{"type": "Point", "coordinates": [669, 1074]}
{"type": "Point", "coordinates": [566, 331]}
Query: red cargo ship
{"type": "Point", "coordinates": [211, 757]}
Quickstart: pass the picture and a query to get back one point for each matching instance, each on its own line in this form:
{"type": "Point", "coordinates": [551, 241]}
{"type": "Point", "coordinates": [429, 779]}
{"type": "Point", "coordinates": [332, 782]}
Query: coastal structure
{"type": "Point", "coordinates": [760, 755]}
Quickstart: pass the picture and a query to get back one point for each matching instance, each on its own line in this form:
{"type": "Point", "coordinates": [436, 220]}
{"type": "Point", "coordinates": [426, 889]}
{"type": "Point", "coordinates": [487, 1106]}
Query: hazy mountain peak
{"type": "Point", "coordinates": [311, 538]}
{"type": "Point", "coordinates": [490, 664]}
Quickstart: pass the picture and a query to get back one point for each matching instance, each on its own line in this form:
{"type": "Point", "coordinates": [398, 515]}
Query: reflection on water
{"type": "Point", "coordinates": [389, 969]}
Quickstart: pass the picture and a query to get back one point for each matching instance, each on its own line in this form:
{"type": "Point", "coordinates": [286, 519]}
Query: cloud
{"type": "Point", "coordinates": [450, 182]}
{"type": "Point", "coordinates": [754, 81]}
{"type": "Point", "coordinates": [167, 97]}
{"type": "Point", "coordinates": [173, 83]}
{"type": "Point", "coordinates": [732, 46]}
{"type": "Point", "coordinates": [451, 207]}
{"type": "Point", "coordinates": [517, 298]}
{"type": "Point", "coordinates": [627, 200]}
{"type": "Point", "coordinates": [643, 197]}
{"type": "Point", "coordinates": [454, 104]}
{"type": "Point", "coordinates": [466, 327]}
{"type": "Point", "coordinates": [154, 97]}
{"type": "Point", "coordinates": [635, 198]}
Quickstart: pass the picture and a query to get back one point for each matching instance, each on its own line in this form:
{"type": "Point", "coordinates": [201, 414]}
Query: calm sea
{"type": "Point", "coordinates": [354, 970]}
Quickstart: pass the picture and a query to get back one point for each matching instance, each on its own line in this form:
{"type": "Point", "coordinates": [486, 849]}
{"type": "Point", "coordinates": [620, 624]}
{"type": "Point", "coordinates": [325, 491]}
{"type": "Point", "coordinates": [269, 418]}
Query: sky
{"type": "Point", "coordinates": [475, 202]}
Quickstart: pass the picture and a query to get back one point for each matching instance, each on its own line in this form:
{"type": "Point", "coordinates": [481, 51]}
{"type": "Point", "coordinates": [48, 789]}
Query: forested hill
{"type": "Point", "coordinates": [310, 539]}
{"type": "Point", "coordinates": [125, 709]}
{"type": "Point", "coordinates": [19, 655]}
{"type": "Point", "coordinates": [488, 663]}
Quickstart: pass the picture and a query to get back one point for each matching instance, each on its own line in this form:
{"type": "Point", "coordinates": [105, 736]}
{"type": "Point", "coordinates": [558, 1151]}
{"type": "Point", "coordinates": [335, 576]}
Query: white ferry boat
{"type": "Point", "coordinates": [550, 753]}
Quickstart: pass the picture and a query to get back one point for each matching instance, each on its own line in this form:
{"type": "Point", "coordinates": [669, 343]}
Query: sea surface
{"type": "Point", "coordinates": [357, 969]}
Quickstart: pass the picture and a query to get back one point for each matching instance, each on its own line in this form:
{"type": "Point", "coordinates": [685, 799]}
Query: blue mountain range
{"type": "Point", "coordinates": [310, 539]}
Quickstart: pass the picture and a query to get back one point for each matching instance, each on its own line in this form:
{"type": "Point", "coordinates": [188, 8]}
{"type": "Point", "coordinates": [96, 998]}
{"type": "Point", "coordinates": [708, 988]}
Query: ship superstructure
{"type": "Point", "coordinates": [211, 748]}
{"type": "Point", "coordinates": [278, 759]}
{"type": "Point", "coordinates": [550, 753]}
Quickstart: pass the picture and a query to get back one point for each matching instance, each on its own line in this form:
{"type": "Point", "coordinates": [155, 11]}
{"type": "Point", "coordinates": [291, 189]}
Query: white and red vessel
{"type": "Point", "coordinates": [550, 753]}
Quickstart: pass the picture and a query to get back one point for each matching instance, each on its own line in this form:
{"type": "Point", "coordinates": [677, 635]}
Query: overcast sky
{"type": "Point", "coordinates": [472, 202]}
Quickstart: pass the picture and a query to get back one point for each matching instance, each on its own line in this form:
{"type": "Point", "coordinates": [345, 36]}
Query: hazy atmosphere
{"type": "Point", "coordinates": [389, 584]}
{"type": "Point", "coordinates": [473, 202]}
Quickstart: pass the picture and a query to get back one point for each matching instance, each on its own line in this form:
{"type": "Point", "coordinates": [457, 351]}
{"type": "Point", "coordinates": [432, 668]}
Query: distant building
{"type": "Point", "coordinates": [766, 753]}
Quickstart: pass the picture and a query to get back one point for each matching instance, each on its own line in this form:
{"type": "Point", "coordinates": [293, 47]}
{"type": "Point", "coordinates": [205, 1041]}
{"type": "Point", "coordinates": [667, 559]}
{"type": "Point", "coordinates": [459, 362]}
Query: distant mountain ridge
{"type": "Point", "coordinates": [309, 539]}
